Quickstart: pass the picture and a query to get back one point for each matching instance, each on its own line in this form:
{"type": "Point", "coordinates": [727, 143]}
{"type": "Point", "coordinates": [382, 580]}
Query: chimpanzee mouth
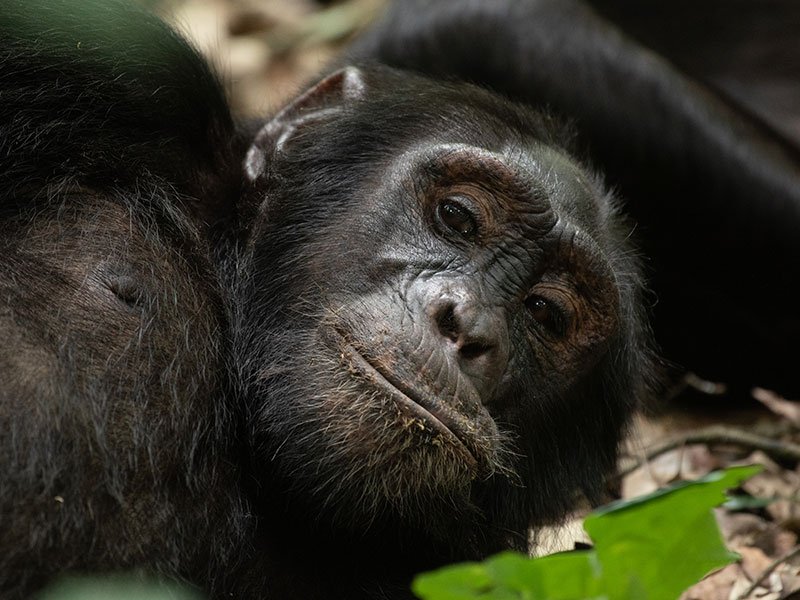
{"type": "Point", "coordinates": [415, 405]}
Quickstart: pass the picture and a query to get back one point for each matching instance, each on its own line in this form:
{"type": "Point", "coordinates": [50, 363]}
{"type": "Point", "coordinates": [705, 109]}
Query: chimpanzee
{"type": "Point", "coordinates": [114, 419]}
{"type": "Point", "coordinates": [467, 312]}
{"type": "Point", "coordinates": [397, 325]}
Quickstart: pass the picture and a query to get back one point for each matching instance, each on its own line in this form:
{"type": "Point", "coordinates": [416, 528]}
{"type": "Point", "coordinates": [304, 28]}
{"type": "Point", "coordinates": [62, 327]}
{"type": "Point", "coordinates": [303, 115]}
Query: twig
{"type": "Point", "coordinates": [766, 573]}
{"type": "Point", "coordinates": [719, 434]}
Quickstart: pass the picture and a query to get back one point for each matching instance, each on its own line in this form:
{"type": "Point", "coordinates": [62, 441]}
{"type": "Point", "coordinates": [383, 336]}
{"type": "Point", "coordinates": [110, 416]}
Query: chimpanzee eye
{"type": "Point", "coordinates": [456, 217]}
{"type": "Point", "coordinates": [539, 308]}
{"type": "Point", "coordinates": [544, 312]}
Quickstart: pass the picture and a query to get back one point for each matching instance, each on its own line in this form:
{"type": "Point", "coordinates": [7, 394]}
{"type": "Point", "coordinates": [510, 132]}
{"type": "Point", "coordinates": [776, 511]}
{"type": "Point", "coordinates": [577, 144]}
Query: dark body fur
{"type": "Point", "coordinates": [747, 51]}
{"type": "Point", "coordinates": [114, 327]}
{"type": "Point", "coordinates": [215, 335]}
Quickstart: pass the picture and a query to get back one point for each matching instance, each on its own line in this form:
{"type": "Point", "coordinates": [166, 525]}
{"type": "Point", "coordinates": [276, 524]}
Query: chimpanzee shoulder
{"type": "Point", "coordinates": [103, 92]}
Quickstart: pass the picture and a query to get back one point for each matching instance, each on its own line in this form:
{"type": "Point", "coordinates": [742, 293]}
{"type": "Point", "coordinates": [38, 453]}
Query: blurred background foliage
{"type": "Point", "coordinates": [265, 50]}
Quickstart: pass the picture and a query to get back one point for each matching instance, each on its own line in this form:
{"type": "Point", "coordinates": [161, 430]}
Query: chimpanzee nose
{"type": "Point", "coordinates": [475, 335]}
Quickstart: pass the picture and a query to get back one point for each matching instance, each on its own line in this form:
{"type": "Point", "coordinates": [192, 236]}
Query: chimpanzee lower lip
{"type": "Point", "coordinates": [406, 401]}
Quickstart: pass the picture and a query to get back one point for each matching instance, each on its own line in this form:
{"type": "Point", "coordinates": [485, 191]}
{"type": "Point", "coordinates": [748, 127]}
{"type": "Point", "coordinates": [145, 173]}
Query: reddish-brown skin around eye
{"type": "Point", "coordinates": [583, 285]}
{"type": "Point", "coordinates": [498, 192]}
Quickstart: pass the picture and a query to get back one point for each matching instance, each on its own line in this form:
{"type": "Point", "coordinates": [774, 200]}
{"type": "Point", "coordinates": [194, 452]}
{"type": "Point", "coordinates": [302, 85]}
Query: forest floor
{"type": "Point", "coordinates": [267, 49]}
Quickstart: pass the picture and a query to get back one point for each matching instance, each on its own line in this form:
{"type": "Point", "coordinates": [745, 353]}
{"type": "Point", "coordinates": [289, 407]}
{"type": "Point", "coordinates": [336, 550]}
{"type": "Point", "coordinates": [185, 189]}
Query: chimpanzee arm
{"type": "Point", "coordinates": [716, 195]}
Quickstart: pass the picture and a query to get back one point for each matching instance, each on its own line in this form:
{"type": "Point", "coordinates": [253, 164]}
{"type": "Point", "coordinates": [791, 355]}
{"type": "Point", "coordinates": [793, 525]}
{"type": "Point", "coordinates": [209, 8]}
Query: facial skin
{"type": "Point", "coordinates": [445, 351]}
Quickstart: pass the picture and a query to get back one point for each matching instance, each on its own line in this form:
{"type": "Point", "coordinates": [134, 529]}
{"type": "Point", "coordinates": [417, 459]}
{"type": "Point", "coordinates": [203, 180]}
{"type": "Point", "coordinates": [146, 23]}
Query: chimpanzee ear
{"type": "Point", "coordinates": [321, 101]}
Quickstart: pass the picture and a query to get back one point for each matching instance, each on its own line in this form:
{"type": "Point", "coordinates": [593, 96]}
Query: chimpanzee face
{"type": "Point", "coordinates": [451, 289]}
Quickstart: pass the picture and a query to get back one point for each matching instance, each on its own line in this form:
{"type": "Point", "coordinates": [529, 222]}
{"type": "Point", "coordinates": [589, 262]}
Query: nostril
{"type": "Point", "coordinates": [474, 350]}
{"type": "Point", "coordinates": [447, 322]}
{"type": "Point", "coordinates": [471, 336]}
{"type": "Point", "coordinates": [462, 327]}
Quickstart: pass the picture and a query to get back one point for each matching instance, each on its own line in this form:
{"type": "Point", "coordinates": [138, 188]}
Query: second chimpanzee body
{"type": "Point", "coordinates": [113, 385]}
{"type": "Point", "coordinates": [395, 327]}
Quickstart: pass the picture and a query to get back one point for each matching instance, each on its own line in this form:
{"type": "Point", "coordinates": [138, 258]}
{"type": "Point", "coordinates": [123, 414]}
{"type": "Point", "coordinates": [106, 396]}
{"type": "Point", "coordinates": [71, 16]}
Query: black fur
{"type": "Point", "coordinates": [745, 50]}
{"type": "Point", "coordinates": [208, 329]}
{"type": "Point", "coordinates": [114, 138]}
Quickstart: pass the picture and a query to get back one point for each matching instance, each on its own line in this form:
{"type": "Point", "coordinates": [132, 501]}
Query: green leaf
{"type": "Point", "coordinates": [513, 576]}
{"type": "Point", "coordinates": [649, 548]}
{"type": "Point", "coordinates": [465, 581]}
{"type": "Point", "coordinates": [564, 576]}
{"type": "Point", "coordinates": [745, 502]}
{"type": "Point", "coordinates": [115, 587]}
{"type": "Point", "coordinates": [656, 546]}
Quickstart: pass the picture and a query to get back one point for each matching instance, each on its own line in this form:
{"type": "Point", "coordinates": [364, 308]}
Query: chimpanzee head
{"type": "Point", "coordinates": [438, 318]}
